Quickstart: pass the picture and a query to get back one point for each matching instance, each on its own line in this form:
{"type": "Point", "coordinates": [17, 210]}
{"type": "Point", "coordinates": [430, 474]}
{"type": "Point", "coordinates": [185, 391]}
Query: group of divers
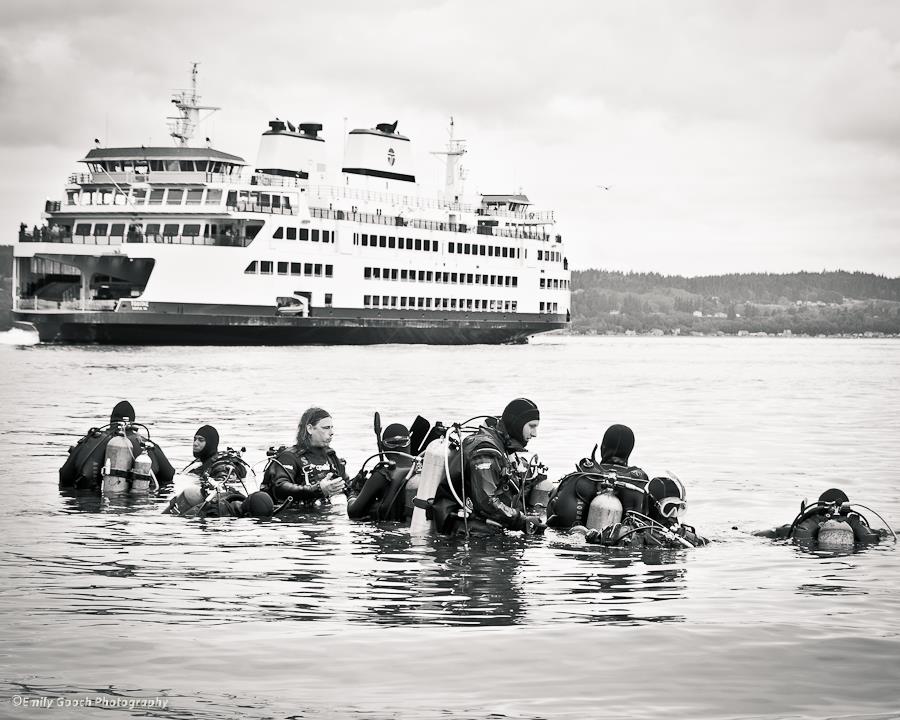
{"type": "Point", "coordinates": [468, 478]}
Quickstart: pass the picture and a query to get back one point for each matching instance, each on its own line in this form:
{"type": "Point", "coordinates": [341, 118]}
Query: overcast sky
{"type": "Point", "coordinates": [733, 136]}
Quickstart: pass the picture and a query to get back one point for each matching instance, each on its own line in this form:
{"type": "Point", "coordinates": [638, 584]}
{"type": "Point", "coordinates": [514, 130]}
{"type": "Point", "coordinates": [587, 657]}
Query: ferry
{"type": "Point", "coordinates": [192, 245]}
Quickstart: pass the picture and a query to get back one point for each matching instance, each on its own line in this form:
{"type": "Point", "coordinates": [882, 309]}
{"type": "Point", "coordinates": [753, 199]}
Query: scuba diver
{"type": "Point", "coordinates": [310, 470]}
{"type": "Point", "coordinates": [659, 527]}
{"type": "Point", "coordinates": [116, 457]}
{"type": "Point", "coordinates": [380, 493]}
{"type": "Point", "coordinates": [592, 482]}
{"type": "Point", "coordinates": [832, 522]}
{"type": "Point", "coordinates": [485, 484]}
{"type": "Point", "coordinates": [221, 474]}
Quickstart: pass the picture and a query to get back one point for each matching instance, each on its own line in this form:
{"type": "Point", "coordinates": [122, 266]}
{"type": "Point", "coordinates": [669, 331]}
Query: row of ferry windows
{"type": "Point", "coordinates": [489, 250]}
{"type": "Point", "coordinates": [374, 273]}
{"type": "Point", "coordinates": [554, 284]}
{"type": "Point", "coordinates": [140, 196]}
{"type": "Point", "coordinates": [270, 267]}
{"type": "Point", "coordinates": [549, 307]}
{"type": "Point", "coordinates": [143, 166]}
{"type": "Point", "coordinates": [549, 255]}
{"type": "Point", "coordinates": [389, 241]}
{"type": "Point", "coordinates": [304, 234]}
{"type": "Point", "coordinates": [167, 229]}
{"type": "Point", "coordinates": [427, 303]}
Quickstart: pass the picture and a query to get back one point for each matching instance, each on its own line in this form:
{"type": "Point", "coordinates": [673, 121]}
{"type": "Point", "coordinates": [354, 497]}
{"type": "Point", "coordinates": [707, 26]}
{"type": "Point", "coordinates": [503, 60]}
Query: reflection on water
{"type": "Point", "coordinates": [313, 615]}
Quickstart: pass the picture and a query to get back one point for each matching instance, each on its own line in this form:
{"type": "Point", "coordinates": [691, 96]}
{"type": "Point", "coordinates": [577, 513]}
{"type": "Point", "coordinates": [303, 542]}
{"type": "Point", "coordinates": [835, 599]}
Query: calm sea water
{"type": "Point", "coordinates": [318, 616]}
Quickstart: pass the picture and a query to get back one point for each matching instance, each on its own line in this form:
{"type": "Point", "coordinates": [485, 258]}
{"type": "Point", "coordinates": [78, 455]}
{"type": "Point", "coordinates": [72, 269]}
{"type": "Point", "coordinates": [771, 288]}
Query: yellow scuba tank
{"type": "Point", "coordinates": [834, 534]}
{"type": "Point", "coordinates": [432, 474]}
{"type": "Point", "coordinates": [117, 467]}
{"type": "Point", "coordinates": [604, 511]}
{"type": "Point", "coordinates": [142, 474]}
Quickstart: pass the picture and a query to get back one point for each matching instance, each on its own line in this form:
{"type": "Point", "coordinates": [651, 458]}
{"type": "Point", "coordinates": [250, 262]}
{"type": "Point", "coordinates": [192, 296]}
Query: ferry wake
{"type": "Point", "coordinates": [192, 245]}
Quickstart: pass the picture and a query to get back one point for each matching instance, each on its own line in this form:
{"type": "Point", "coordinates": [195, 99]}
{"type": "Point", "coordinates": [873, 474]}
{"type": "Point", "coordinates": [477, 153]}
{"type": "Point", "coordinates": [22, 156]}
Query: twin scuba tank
{"type": "Point", "coordinates": [122, 471]}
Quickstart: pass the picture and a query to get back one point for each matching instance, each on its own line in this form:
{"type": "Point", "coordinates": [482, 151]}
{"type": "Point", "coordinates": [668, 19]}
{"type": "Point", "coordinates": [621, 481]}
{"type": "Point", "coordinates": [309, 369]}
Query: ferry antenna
{"type": "Point", "coordinates": [188, 104]}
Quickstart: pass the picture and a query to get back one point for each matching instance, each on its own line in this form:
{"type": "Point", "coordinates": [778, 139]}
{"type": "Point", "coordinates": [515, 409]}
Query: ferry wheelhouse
{"type": "Point", "coordinates": [190, 245]}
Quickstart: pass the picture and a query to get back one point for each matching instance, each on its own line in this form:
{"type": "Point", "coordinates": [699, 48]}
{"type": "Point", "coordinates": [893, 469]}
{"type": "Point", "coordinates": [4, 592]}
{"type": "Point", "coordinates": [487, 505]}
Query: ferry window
{"type": "Point", "coordinates": [156, 197]}
{"type": "Point", "coordinates": [71, 197]}
{"type": "Point", "coordinates": [191, 230]}
{"type": "Point", "coordinates": [491, 250]}
{"type": "Point", "coordinates": [393, 301]}
{"type": "Point", "coordinates": [315, 236]}
{"type": "Point", "coordinates": [453, 277]}
{"type": "Point", "coordinates": [100, 229]}
{"type": "Point", "coordinates": [364, 240]}
{"type": "Point", "coordinates": [278, 234]}
{"type": "Point", "coordinates": [427, 303]}
{"type": "Point", "coordinates": [171, 165]}
{"type": "Point", "coordinates": [295, 269]}
{"type": "Point", "coordinates": [446, 277]}
{"type": "Point", "coordinates": [453, 303]}
{"type": "Point", "coordinates": [175, 197]}
{"type": "Point", "coordinates": [217, 167]}
{"type": "Point", "coordinates": [382, 241]}
{"type": "Point", "coordinates": [170, 229]}
{"type": "Point", "coordinates": [403, 274]}
{"type": "Point", "coordinates": [427, 245]}
{"type": "Point", "coordinates": [329, 271]}
{"type": "Point", "coordinates": [541, 308]}
{"type": "Point", "coordinates": [450, 247]}
{"type": "Point", "coordinates": [515, 281]}
{"type": "Point", "coordinates": [327, 299]}
{"type": "Point", "coordinates": [118, 229]}
{"type": "Point", "coordinates": [276, 201]}
{"type": "Point", "coordinates": [543, 283]}
{"type": "Point", "coordinates": [418, 244]}
{"type": "Point", "coordinates": [156, 166]}
{"type": "Point", "coordinates": [484, 279]}
{"type": "Point", "coordinates": [318, 270]}
{"type": "Point", "coordinates": [304, 234]}
{"type": "Point", "coordinates": [367, 300]}
{"type": "Point", "coordinates": [83, 229]}
{"type": "Point", "coordinates": [467, 248]}
{"type": "Point", "coordinates": [186, 165]}
{"type": "Point", "coordinates": [481, 248]}
{"type": "Point", "coordinates": [403, 301]}
{"type": "Point", "coordinates": [393, 273]}
{"type": "Point", "coordinates": [138, 197]}
{"type": "Point", "coordinates": [407, 243]}
{"type": "Point", "coordinates": [265, 267]}
{"type": "Point", "coordinates": [376, 300]}
{"type": "Point", "coordinates": [282, 268]}
{"type": "Point", "coordinates": [307, 268]}
{"type": "Point", "coordinates": [392, 242]}
{"type": "Point", "coordinates": [152, 229]}
{"type": "Point", "coordinates": [434, 245]}
{"type": "Point", "coordinates": [291, 233]}
{"type": "Point", "coordinates": [194, 197]}
{"type": "Point", "coordinates": [428, 275]}
{"type": "Point", "coordinates": [356, 238]}
{"type": "Point", "coordinates": [252, 231]}
{"type": "Point", "coordinates": [513, 305]}
{"type": "Point", "coordinates": [249, 270]}
{"type": "Point", "coordinates": [367, 273]}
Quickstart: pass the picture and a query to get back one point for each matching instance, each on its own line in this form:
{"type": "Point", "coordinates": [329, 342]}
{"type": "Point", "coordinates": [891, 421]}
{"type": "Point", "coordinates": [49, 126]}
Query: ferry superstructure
{"type": "Point", "coordinates": [191, 245]}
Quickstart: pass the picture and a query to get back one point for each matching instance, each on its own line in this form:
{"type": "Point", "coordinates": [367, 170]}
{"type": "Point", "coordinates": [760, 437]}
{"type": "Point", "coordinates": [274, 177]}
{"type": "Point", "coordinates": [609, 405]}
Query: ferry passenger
{"type": "Point", "coordinates": [831, 520]}
{"type": "Point", "coordinates": [569, 502]}
{"type": "Point", "coordinates": [484, 472]}
{"type": "Point", "coordinates": [82, 468]}
{"type": "Point", "coordinates": [309, 470]}
{"type": "Point", "coordinates": [660, 527]}
{"type": "Point", "coordinates": [380, 494]}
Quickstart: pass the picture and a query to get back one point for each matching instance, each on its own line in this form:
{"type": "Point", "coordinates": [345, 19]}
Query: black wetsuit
{"type": "Point", "coordinates": [492, 483]}
{"type": "Point", "coordinates": [298, 473]}
{"type": "Point", "coordinates": [571, 498]}
{"type": "Point", "coordinates": [634, 533]}
{"type": "Point", "coordinates": [806, 528]}
{"type": "Point", "coordinates": [81, 470]}
{"type": "Point", "coordinates": [382, 494]}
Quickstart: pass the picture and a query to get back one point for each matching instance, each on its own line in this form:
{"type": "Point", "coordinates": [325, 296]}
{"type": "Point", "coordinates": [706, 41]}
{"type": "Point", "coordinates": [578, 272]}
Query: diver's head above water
{"type": "Point", "coordinates": [617, 444]}
{"type": "Point", "coordinates": [206, 442]}
{"type": "Point", "coordinates": [396, 437]}
{"type": "Point", "coordinates": [315, 430]}
{"type": "Point", "coordinates": [122, 412]}
{"type": "Point", "coordinates": [520, 419]}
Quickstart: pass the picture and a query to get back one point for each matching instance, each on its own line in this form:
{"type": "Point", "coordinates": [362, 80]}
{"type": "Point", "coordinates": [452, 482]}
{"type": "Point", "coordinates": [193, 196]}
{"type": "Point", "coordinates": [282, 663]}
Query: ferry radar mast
{"type": "Point", "coordinates": [455, 173]}
{"type": "Point", "coordinates": [188, 104]}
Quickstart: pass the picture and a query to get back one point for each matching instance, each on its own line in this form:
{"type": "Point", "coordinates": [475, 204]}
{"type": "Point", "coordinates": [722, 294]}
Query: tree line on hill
{"type": "Point", "coordinates": [826, 303]}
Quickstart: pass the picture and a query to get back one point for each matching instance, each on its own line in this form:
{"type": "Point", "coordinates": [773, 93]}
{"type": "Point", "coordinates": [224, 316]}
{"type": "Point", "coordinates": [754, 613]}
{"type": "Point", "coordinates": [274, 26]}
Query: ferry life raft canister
{"type": "Point", "coordinates": [117, 468]}
{"type": "Point", "coordinates": [835, 534]}
{"type": "Point", "coordinates": [433, 472]}
{"type": "Point", "coordinates": [141, 474]}
{"type": "Point", "coordinates": [604, 511]}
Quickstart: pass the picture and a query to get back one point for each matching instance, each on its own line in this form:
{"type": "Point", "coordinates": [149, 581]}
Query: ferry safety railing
{"type": "Point", "coordinates": [220, 240]}
{"type": "Point", "coordinates": [249, 206]}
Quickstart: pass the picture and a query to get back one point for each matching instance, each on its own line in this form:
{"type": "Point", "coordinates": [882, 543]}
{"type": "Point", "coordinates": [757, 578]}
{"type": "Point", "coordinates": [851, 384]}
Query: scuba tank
{"type": "Point", "coordinates": [117, 467]}
{"type": "Point", "coordinates": [142, 474]}
{"type": "Point", "coordinates": [605, 510]}
{"type": "Point", "coordinates": [835, 533]}
{"type": "Point", "coordinates": [433, 473]}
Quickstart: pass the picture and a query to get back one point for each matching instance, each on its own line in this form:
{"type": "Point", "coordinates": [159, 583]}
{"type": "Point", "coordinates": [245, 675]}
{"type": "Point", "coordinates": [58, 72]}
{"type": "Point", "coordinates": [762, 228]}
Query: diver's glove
{"type": "Point", "coordinates": [354, 484]}
{"type": "Point", "coordinates": [606, 536]}
{"type": "Point", "coordinates": [533, 525]}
